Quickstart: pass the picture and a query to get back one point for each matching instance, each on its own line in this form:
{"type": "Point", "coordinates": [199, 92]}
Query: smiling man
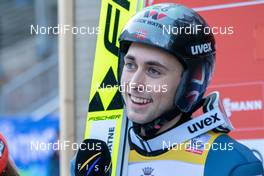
{"type": "Point", "coordinates": [165, 139]}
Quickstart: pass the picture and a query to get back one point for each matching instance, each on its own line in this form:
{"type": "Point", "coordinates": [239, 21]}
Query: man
{"type": "Point", "coordinates": [166, 61]}
{"type": "Point", "coordinates": [7, 167]}
{"type": "Point", "coordinates": [168, 45]}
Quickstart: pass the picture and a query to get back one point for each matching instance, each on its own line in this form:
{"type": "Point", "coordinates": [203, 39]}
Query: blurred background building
{"type": "Point", "coordinates": [28, 62]}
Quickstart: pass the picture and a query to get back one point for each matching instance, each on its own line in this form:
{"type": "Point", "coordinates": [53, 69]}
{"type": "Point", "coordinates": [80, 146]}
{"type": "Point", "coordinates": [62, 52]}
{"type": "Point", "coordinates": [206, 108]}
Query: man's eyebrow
{"type": "Point", "coordinates": [130, 57]}
{"type": "Point", "coordinates": [154, 63]}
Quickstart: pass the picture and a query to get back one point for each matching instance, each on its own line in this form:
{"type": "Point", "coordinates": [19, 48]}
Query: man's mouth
{"type": "Point", "coordinates": [139, 100]}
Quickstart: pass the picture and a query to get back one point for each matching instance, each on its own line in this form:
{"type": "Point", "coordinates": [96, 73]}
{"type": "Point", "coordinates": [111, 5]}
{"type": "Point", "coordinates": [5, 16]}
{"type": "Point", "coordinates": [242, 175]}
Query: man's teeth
{"type": "Point", "coordinates": [140, 100]}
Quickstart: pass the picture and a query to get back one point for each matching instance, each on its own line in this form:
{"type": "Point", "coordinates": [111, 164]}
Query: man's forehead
{"type": "Point", "coordinates": [143, 51]}
{"type": "Point", "coordinates": [142, 46]}
{"type": "Point", "coordinates": [149, 54]}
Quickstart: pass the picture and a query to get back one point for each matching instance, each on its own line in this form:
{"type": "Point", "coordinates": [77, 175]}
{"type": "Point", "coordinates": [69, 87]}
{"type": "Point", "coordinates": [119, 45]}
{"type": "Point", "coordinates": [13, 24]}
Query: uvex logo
{"type": "Point", "coordinates": [203, 123]}
{"type": "Point", "coordinates": [202, 48]}
{"type": "Point", "coordinates": [154, 15]}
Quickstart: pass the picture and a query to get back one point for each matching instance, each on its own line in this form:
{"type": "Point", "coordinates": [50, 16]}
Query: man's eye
{"type": "Point", "coordinates": [153, 71]}
{"type": "Point", "coordinates": [130, 65]}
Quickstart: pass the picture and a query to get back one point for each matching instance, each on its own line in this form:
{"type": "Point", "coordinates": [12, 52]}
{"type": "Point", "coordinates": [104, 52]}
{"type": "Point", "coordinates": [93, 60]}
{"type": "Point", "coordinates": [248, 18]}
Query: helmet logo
{"type": "Point", "coordinates": [140, 34]}
{"type": "Point", "coordinates": [154, 15]}
{"type": "Point", "coordinates": [192, 96]}
{"type": "Point", "coordinates": [199, 75]}
{"type": "Point", "coordinates": [197, 82]}
{"type": "Point", "coordinates": [202, 48]}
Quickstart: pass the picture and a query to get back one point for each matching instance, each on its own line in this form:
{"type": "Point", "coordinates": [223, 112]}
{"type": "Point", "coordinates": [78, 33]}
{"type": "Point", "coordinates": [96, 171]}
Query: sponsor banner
{"type": "Point", "coordinates": [244, 105]}
{"type": "Point", "coordinates": [30, 144]}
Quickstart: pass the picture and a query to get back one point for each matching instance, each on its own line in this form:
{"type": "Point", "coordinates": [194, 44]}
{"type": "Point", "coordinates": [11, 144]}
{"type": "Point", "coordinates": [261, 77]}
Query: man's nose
{"type": "Point", "coordinates": [137, 82]}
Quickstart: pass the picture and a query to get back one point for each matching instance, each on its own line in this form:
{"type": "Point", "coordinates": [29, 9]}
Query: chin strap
{"type": "Point", "coordinates": [151, 128]}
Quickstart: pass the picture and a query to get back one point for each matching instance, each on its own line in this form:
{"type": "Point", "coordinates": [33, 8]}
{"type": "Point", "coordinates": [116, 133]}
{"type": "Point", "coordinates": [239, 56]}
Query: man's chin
{"type": "Point", "coordinates": [140, 119]}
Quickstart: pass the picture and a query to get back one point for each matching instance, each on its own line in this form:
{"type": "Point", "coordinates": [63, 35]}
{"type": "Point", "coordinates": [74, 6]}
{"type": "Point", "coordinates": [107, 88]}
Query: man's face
{"type": "Point", "coordinates": [151, 77]}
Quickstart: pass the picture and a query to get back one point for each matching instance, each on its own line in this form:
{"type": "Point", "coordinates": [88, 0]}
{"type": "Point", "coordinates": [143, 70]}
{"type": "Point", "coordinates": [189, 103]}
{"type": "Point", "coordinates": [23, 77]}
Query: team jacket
{"type": "Point", "coordinates": [210, 154]}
